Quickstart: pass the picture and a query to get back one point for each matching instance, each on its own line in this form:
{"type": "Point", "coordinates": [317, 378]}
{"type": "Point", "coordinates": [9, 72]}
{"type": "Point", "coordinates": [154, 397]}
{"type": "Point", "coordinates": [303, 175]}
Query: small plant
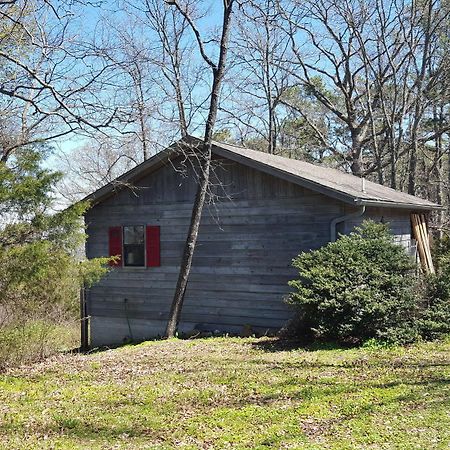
{"type": "Point", "coordinates": [376, 344]}
{"type": "Point", "coordinates": [358, 288]}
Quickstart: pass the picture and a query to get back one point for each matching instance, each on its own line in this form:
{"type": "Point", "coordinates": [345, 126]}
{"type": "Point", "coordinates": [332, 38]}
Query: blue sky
{"type": "Point", "coordinates": [86, 25]}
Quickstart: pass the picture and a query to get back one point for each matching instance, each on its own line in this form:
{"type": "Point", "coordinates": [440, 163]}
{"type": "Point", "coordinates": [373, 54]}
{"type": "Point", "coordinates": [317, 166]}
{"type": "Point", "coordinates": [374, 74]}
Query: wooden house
{"type": "Point", "coordinates": [264, 210]}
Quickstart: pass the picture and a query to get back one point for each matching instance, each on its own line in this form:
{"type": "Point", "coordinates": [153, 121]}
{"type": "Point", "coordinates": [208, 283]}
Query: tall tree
{"type": "Point", "coordinates": [51, 84]}
{"type": "Point", "coordinates": [258, 79]}
{"type": "Point", "coordinates": [371, 59]}
{"type": "Point", "coordinates": [205, 153]}
{"type": "Point", "coordinates": [172, 68]}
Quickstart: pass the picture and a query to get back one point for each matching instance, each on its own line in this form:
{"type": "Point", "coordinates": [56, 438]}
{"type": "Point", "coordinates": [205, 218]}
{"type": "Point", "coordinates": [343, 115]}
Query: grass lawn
{"type": "Point", "coordinates": [230, 393]}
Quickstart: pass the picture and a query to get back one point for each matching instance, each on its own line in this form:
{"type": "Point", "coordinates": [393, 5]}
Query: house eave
{"type": "Point", "coordinates": [178, 147]}
{"type": "Point", "coordinates": [314, 186]}
{"type": "Point", "coordinates": [317, 187]}
{"type": "Point", "coordinates": [402, 205]}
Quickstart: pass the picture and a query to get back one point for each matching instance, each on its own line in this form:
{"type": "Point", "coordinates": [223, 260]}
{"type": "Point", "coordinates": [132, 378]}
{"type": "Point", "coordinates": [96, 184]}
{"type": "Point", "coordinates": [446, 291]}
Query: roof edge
{"type": "Point", "coordinates": [279, 173]}
{"type": "Point", "coordinates": [153, 163]}
{"type": "Point", "coordinates": [317, 187]}
{"type": "Point", "coordinates": [162, 157]}
{"type": "Point", "coordinates": [404, 205]}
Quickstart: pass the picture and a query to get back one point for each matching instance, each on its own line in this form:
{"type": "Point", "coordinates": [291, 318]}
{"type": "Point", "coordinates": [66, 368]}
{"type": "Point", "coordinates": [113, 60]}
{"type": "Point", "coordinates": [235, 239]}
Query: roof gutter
{"type": "Point", "coordinates": [384, 204]}
{"type": "Point", "coordinates": [334, 222]}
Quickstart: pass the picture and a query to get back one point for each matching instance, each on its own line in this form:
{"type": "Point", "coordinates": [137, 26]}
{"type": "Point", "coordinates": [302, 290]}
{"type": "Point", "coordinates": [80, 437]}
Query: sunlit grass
{"type": "Point", "coordinates": [231, 393]}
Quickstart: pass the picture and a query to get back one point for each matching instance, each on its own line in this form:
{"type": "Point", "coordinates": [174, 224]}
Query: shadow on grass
{"type": "Point", "coordinates": [129, 343]}
{"type": "Point", "coordinates": [348, 406]}
{"type": "Point", "coordinates": [81, 429]}
{"type": "Point", "coordinates": [279, 344]}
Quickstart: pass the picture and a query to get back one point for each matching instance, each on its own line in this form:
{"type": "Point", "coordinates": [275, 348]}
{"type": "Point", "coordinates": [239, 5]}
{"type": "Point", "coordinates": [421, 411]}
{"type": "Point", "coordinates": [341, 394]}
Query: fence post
{"type": "Point", "coordinates": [84, 320]}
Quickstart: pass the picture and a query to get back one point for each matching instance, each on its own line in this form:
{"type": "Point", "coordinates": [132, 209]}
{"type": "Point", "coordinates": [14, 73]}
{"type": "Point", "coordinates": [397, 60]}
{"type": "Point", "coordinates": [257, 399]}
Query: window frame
{"type": "Point", "coordinates": [144, 265]}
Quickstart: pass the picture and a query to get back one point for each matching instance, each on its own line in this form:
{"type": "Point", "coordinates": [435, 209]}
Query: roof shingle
{"type": "Point", "coordinates": [359, 191]}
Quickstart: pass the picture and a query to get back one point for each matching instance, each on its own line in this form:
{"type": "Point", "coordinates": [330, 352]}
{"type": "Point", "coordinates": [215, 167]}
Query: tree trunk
{"type": "Point", "coordinates": [437, 166]}
{"type": "Point", "coordinates": [357, 133]}
{"type": "Point", "coordinates": [180, 106]}
{"type": "Point", "coordinates": [356, 155]}
{"type": "Point", "coordinates": [203, 182]}
{"type": "Point", "coordinates": [272, 134]}
{"type": "Point", "coordinates": [419, 99]}
{"type": "Point", "coordinates": [188, 253]}
{"type": "Point", "coordinates": [392, 159]}
{"type": "Point", "coordinates": [412, 167]}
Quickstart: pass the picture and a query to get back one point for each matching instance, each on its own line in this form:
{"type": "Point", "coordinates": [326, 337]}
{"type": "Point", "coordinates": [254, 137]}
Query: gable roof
{"type": "Point", "coordinates": [331, 182]}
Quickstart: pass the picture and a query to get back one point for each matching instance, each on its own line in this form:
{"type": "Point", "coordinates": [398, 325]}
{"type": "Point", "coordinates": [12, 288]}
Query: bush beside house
{"type": "Point", "coordinates": [364, 286]}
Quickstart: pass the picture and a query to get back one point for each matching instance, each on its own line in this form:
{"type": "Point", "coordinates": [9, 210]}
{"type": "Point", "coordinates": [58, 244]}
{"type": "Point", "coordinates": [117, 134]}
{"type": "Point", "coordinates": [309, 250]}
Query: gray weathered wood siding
{"type": "Point", "coordinates": [399, 221]}
{"type": "Point", "coordinates": [241, 266]}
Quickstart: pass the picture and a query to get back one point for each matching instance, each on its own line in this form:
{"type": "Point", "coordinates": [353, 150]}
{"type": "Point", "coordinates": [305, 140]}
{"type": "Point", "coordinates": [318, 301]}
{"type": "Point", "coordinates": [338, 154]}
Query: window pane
{"type": "Point", "coordinates": [134, 255]}
{"type": "Point", "coordinates": [133, 246]}
{"type": "Point", "coordinates": [133, 235]}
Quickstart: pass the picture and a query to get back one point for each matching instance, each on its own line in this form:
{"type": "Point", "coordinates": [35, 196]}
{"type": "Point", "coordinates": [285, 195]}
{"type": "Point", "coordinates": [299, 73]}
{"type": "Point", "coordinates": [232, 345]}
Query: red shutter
{"type": "Point", "coordinates": [115, 245]}
{"type": "Point", "coordinates": [152, 246]}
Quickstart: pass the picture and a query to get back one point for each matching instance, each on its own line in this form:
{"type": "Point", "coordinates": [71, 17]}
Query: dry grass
{"type": "Point", "coordinates": [30, 341]}
{"type": "Point", "coordinates": [230, 393]}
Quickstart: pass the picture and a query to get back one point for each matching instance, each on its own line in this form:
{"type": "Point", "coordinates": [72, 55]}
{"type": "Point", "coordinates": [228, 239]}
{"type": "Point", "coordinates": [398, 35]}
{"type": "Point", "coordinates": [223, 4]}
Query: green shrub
{"type": "Point", "coordinates": [434, 318]}
{"type": "Point", "coordinates": [360, 287]}
{"type": "Point", "coordinates": [40, 272]}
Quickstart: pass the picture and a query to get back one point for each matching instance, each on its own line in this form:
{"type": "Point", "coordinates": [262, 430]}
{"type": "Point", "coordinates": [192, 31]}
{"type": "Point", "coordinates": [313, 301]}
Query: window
{"type": "Point", "coordinates": [134, 246]}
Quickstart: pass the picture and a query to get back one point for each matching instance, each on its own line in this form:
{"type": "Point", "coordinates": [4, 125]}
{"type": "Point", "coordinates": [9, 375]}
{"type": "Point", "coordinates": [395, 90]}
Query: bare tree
{"type": "Point", "coordinates": [429, 20]}
{"type": "Point", "coordinates": [51, 84]}
{"type": "Point", "coordinates": [332, 41]}
{"type": "Point", "coordinates": [152, 91]}
{"type": "Point", "coordinates": [94, 163]}
{"type": "Point", "coordinates": [174, 70]}
{"type": "Point", "coordinates": [205, 154]}
{"type": "Point", "coordinates": [256, 83]}
{"type": "Point", "coordinates": [370, 65]}
{"type": "Point", "coordinates": [122, 46]}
